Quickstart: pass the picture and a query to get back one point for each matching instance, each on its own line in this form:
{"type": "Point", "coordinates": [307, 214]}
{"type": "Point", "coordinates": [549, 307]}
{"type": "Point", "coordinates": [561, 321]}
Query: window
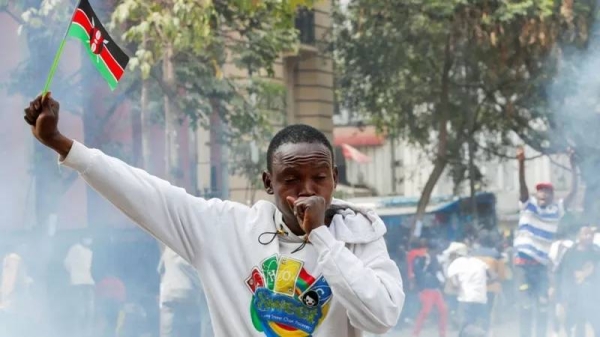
{"type": "Point", "coordinates": [305, 24]}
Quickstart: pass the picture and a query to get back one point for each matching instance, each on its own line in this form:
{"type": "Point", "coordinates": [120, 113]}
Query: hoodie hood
{"type": "Point", "coordinates": [349, 223]}
{"type": "Point", "coordinates": [354, 224]}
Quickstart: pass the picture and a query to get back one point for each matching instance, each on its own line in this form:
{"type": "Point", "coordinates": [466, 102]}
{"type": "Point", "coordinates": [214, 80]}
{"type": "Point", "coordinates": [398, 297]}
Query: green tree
{"type": "Point", "coordinates": [182, 46]}
{"type": "Point", "coordinates": [249, 152]}
{"type": "Point", "coordinates": [178, 48]}
{"type": "Point", "coordinates": [446, 75]}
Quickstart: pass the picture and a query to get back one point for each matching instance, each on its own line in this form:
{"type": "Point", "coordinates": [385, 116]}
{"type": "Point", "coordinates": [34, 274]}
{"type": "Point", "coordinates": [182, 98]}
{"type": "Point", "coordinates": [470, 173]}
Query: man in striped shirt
{"type": "Point", "coordinates": [538, 224]}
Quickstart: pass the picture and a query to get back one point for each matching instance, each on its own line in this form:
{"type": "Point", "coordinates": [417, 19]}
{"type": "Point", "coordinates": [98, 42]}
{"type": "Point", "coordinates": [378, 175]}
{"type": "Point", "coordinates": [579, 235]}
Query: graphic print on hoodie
{"type": "Point", "coordinates": [287, 300]}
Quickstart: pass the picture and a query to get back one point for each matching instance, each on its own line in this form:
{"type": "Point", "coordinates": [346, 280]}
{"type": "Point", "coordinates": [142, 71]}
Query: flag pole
{"type": "Point", "coordinates": [58, 54]}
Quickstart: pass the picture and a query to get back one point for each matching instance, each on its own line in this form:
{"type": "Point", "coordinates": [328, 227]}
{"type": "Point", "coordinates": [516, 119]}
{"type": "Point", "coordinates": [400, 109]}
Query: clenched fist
{"type": "Point", "coordinates": [42, 115]}
{"type": "Point", "coordinates": [310, 211]}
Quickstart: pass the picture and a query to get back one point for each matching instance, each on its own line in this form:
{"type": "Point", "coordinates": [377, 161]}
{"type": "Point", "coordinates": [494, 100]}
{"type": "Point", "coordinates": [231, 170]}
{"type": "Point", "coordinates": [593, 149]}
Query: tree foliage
{"type": "Point", "coordinates": [39, 24]}
{"type": "Point", "coordinates": [569, 116]}
{"type": "Point", "coordinates": [204, 36]}
{"type": "Point", "coordinates": [200, 38]}
{"type": "Point", "coordinates": [443, 73]}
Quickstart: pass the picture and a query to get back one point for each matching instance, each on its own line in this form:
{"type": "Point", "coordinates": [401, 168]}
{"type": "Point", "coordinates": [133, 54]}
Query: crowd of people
{"type": "Point", "coordinates": [474, 285]}
{"type": "Point", "coordinates": [469, 286]}
{"type": "Point", "coordinates": [466, 282]}
{"type": "Point", "coordinates": [84, 293]}
{"type": "Point", "coordinates": [544, 272]}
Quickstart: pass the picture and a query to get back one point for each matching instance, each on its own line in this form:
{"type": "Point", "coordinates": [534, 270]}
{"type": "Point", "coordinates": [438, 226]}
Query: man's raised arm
{"type": "Point", "coordinates": [174, 217]}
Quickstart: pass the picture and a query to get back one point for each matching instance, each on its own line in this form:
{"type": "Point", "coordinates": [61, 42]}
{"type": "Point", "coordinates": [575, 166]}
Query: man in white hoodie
{"type": "Point", "coordinates": [307, 265]}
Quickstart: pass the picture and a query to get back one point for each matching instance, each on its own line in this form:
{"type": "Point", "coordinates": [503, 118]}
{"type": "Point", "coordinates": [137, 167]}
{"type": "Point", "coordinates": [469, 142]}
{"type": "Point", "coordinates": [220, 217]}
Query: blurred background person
{"type": "Point", "coordinates": [470, 276]}
{"type": "Point", "coordinates": [183, 309]}
{"type": "Point", "coordinates": [78, 264]}
{"type": "Point", "coordinates": [486, 251]}
{"type": "Point", "coordinates": [538, 224]}
{"type": "Point", "coordinates": [429, 279]}
{"type": "Point", "coordinates": [16, 303]}
{"type": "Point", "coordinates": [558, 249]}
{"type": "Point", "coordinates": [411, 304]}
{"type": "Point", "coordinates": [579, 275]}
{"type": "Point", "coordinates": [111, 295]}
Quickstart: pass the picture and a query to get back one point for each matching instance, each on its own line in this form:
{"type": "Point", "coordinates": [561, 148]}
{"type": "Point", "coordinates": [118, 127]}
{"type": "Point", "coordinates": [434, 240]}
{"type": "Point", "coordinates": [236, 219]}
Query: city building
{"type": "Point", "coordinates": [308, 79]}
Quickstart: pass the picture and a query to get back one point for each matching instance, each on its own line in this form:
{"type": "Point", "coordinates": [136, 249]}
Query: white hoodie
{"type": "Point", "coordinates": [343, 282]}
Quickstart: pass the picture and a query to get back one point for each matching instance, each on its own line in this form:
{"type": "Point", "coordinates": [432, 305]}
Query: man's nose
{"type": "Point", "coordinates": [308, 189]}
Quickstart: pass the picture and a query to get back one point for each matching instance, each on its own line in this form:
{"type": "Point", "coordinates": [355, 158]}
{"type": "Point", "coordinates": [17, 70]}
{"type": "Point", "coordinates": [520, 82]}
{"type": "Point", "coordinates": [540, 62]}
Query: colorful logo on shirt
{"type": "Point", "coordinates": [287, 301]}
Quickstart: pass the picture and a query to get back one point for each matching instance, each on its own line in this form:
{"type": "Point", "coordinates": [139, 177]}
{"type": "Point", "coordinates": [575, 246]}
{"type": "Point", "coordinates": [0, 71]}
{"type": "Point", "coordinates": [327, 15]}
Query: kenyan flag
{"type": "Point", "coordinates": [108, 58]}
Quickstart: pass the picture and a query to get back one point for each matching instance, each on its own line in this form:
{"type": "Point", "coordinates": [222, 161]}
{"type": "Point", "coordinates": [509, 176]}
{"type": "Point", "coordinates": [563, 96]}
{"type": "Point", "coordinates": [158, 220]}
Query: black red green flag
{"type": "Point", "coordinates": [106, 55]}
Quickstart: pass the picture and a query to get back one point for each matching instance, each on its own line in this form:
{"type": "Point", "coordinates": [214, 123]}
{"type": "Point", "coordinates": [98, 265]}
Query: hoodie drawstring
{"type": "Point", "coordinates": [301, 246]}
{"type": "Point", "coordinates": [281, 232]}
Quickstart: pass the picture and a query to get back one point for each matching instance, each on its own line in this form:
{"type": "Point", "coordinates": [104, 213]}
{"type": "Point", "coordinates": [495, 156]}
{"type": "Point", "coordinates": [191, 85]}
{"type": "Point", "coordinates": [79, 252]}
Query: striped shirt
{"type": "Point", "coordinates": [536, 231]}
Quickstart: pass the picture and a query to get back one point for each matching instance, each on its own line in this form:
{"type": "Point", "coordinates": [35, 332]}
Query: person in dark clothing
{"type": "Point", "coordinates": [579, 275]}
{"type": "Point", "coordinates": [429, 280]}
{"type": "Point", "coordinates": [411, 305]}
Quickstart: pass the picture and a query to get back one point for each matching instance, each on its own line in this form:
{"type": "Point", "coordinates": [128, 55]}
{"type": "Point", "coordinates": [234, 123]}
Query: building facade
{"type": "Point", "coordinates": [307, 76]}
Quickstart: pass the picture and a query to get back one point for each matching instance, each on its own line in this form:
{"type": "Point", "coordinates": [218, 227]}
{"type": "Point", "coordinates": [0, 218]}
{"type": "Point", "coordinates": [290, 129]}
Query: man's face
{"type": "Point", "coordinates": [586, 236]}
{"type": "Point", "coordinates": [545, 196]}
{"type": "Point", "coordinates": [300, 170]}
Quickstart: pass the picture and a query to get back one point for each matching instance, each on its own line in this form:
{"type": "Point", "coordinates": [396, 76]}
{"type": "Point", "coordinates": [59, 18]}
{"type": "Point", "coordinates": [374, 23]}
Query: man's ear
{"type": "Point", "coordinates": [335, 176]}
{"type": "Point", "coordinates": [267, 182]}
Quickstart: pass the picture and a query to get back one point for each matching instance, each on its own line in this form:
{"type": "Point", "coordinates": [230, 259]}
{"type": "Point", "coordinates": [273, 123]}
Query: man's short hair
{"type": "Point", "coordinates": [296, 134]}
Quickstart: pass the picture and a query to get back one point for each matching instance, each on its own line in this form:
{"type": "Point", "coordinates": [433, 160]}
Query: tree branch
{"type": "Point", "coordinates": [568, 169]}
{"type": "Point", "coordinates": [503, 155]}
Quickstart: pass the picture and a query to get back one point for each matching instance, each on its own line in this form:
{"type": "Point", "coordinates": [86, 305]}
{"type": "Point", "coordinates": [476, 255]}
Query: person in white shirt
{"type": "Point", "coordinates": [183, 310]}
{"type": "Point", "coordinates": [16, 300]}
{"type": "Point", "coordinates": [78, 263]}
{"type": "Point", "coordinates": [305, 265]}
{"type": "Point", "coordinates": [470, 276]}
